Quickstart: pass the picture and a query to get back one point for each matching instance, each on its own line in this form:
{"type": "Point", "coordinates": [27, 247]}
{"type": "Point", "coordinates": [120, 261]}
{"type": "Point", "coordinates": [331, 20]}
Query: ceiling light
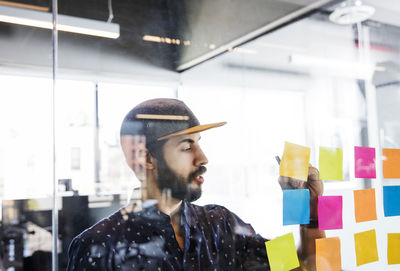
{"type": "Point", "coordinates": [161, 39]}
{"type": "Point", "coordinates": [242, 50]}
{"type": "Point", "coordinates": [64, 22]}
{"type": "Point", "coordinates": [351, 12]}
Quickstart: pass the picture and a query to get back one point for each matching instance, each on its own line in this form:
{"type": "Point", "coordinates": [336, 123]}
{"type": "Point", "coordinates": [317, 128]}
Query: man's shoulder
{"type": "Point", "coordinates": [101, 228]}
{"type": "Point", "coordinates": [219, 215]}
{"type": "Point", "coordinates": [212, 210]}
{"type": "Point", "coordinates": [109, 226]}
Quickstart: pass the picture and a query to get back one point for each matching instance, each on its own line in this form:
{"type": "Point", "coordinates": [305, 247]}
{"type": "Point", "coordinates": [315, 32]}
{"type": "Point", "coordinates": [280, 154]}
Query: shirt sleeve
{"type": "Point", "coordinates": [82, 256]}
{"type": "Point", "coordinates": [250, 245]}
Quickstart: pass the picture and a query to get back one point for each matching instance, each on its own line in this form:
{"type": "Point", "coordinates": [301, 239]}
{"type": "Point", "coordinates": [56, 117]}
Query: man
{"type": "Point", "coordinates": [160, 141]}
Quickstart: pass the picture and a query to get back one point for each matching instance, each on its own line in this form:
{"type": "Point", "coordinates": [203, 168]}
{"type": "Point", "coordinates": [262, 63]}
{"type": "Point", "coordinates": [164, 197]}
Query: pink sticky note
{"type": "Point", "coordinates": [364, 161]}
{"type": "Point", "coordinates": [330, 212]}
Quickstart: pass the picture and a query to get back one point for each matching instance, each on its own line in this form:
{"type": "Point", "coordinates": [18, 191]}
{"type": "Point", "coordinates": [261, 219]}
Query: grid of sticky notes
{"type": "Point", "coordinates": [282, 255]}
{"type": "Point", "coordinates": [295, 164]}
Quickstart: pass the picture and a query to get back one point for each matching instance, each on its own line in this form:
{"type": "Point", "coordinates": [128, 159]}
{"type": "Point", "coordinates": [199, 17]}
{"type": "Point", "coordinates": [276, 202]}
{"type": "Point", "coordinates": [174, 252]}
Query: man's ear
{"type": "Point", "coordinates": [150, 161]}
{"type": "Point", "coordinates": [136, 155]}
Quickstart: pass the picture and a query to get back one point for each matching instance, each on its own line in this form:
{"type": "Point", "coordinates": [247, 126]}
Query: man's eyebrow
{"type": "Point", "coordinates": [189, 140]}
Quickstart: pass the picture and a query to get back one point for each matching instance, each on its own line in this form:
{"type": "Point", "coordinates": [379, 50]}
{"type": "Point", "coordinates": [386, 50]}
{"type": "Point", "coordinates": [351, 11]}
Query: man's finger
{"type": "Point", "coordinates": [313, 174]}
{"type": "Point", "coordinates": [290, 183]}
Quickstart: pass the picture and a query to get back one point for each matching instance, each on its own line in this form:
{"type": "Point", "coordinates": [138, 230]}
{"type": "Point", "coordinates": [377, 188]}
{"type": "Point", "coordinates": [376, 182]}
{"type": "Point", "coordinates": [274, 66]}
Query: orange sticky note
{"type": "Point", "coordinates": [327, 252]}
{"type": "Point", "coordinates": [391, 163]}
{"type": "Point", "coordinates": [366, 248]}
{"type": "Point", "coordinates": [364, 205]}
{"type": "Point", "coordinates": [295, 161]}
{"type": "Point", "coordinates": [393, 251]}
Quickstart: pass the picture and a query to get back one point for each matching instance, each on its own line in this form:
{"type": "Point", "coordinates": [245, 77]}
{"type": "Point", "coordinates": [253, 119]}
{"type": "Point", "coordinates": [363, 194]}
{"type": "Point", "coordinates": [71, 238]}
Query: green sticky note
{"type": "Point", "coordinates": [330, 164]}
{"type": "Point", "coordinates": [282, 253]}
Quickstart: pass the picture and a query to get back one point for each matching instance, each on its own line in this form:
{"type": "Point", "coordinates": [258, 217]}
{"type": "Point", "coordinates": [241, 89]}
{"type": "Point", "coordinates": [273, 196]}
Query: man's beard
{"type": "Point", "coordinates": [179, 187]}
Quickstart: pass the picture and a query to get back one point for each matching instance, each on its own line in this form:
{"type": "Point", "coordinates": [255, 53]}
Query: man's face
{"type": "Point", "coordinates": [181, 166]}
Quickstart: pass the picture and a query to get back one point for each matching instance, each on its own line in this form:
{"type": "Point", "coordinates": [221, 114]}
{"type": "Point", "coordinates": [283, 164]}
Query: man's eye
{"type": "Point", "coordinates": [187, 149]}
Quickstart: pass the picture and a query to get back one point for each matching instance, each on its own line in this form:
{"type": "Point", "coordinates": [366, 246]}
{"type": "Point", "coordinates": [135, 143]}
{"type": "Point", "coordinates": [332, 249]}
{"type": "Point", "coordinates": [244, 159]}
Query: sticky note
{"type": "Point", "coordinates": [366, 249]}
{"type": "Point", "coordinates": [327, 252]}
{"type": "Point", "coordinates": [330, 164]}
{"type": "Point", "coordinates": [296, 206]}
{"type": "Point", "coordinates": [391, 163]}
{"type": "Point", "coordinates": [295, 161]}
{"type": "Point", "coordinates": [364, 161]}
{"type": "Point", "coordinates": [364, 205]}
{"type": "Point", "coordinates": [393, 249]}
{"type": "Point", "coordinates": [330, 212]}
{"type": "Point", "coordinates": [391, 200]}
{"type": "Point", "coordinates": [282, 253]}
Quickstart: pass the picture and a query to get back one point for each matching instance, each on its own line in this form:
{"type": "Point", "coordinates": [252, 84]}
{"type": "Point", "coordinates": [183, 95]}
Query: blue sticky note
{"type": "Point", "coordinates": [296, 206]}
{"type": "Point", "coordinates": [391, 200]}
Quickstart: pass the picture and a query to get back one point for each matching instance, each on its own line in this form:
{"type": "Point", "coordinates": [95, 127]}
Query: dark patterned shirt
{"type": "Point", "coordinates": [214, 239]}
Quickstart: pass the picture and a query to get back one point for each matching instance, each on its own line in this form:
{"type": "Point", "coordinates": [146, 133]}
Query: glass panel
{"type": "Point", "coordinates": [26, 157]}
{"type": "Point", "coordinates": [170, 199]}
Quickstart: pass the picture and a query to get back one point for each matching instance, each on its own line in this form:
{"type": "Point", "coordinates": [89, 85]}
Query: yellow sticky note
{"type": "Point", "coordinates": [393, 250]}
{"type": "Point", "coordinates": [327, 253]}
{"type": "Point", "coordinates": [295, 161]}
{"type": "Point", "coordinates": [330, 164]}
{"type": "Point", "coordinates": [281, 252]}
{"type": "Point", "coordinates": [366, 249]}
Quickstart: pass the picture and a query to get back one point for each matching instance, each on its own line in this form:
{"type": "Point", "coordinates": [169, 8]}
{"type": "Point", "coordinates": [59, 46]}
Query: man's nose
{"type": "Point", "coordinates": [201, 158]}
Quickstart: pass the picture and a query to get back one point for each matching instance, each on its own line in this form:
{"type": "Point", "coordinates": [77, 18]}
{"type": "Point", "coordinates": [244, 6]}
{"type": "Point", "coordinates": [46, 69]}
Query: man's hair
{"type": "Point", "coordinates": [155, 149]}
{"type": "Point", "coordinates": [158, 118]}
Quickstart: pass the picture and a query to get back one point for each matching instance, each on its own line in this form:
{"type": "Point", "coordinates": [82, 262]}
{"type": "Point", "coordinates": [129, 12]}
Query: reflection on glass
{"type": "Point", "coordinates": [305, 83]}
{"type": "Point", "coordinates": [166, 231]}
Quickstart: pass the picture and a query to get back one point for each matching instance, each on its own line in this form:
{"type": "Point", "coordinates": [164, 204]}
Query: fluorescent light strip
{"type": "Point", "coordinates": [20, 5]}
{"type": "Point", "coordinates": [65, 23]}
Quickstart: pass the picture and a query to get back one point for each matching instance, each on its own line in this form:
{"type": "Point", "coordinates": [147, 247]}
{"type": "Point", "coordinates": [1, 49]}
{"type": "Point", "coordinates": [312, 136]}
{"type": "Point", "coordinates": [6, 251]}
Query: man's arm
{"type": "Point", "coordinates": [84, 257]}
{"type": "Point", "coordinates": [308, 233]}
{"type": "Point", "coordinates": [306, 250]}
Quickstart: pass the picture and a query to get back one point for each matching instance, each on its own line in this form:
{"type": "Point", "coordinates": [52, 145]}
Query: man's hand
{"type": "Point", "coordinates": [314, 184]}
{"type": "Point", "coordinates": [306, 250]}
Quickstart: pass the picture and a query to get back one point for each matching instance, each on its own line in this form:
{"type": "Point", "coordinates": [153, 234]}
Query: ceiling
{"type": "Point", "coordinates": [203, 28]}
{"type": "Point", "coordinates": [387, 11]}
{"type": "Point", "coordinates": [268, 59]}
{"type": "Point", "coordinates": [209, 28]}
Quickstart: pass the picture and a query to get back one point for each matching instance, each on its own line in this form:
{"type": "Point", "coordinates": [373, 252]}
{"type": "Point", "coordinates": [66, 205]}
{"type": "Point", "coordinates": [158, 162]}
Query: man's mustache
{"type": "Point", "coordinates": [200, 171]}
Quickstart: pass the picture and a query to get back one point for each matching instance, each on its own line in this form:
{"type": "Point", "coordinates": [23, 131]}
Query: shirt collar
{"type": "Point", "coordinates": [188, 215]}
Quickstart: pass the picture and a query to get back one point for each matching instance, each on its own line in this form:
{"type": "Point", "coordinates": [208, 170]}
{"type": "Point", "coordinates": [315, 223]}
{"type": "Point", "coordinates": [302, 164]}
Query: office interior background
{"type": "Point", "coordinates": [315, 73]}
